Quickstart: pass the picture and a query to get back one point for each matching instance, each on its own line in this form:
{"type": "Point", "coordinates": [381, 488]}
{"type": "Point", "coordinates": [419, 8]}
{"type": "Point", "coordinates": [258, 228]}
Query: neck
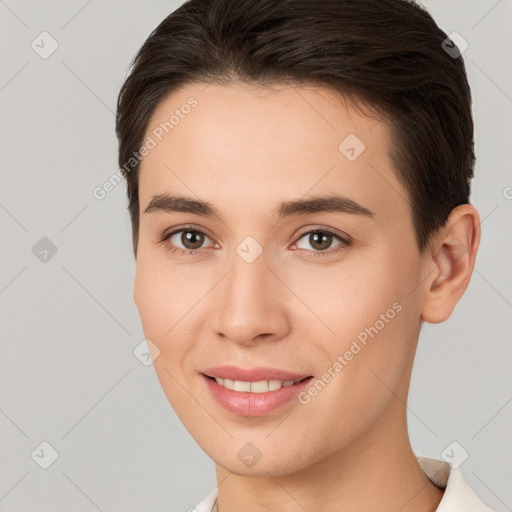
{"type": "Point", "coordinates": [378, 471]}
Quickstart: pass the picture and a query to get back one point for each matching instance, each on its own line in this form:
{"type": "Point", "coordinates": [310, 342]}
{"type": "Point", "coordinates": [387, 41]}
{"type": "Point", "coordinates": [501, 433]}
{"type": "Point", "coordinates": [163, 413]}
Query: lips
{"type": "Point", "coordinates": [254, 391]}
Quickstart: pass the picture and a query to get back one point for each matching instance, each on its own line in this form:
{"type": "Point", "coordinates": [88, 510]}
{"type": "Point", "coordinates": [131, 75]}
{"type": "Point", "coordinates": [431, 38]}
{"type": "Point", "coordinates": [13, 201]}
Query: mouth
{"type": "Point", "coordinates": [254, 398]}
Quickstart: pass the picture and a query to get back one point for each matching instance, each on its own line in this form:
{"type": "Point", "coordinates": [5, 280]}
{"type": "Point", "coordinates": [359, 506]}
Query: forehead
{"type": "Point", "coordinates": [251, 146]}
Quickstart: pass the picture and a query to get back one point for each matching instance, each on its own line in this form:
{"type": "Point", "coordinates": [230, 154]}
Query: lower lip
{"type": "Point", "coordinates": [254, 404]}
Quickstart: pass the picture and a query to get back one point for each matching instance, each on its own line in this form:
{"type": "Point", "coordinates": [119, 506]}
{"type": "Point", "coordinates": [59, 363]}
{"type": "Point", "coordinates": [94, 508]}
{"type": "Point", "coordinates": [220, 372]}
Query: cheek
{"type": "Point", "coordinates": [168, 306]}
{"type": "Point", "coordinates": [155, 304]}
{"type": "Point", "coordinates": [362, 377]}
{"type": "Point", "coordinates": [348, 297]}
{"type": "Point", "coordinates": [163, 295]}
{"type": "Point", "coordinates": [150, 299]}
{"type": "Point", "coordinates": [160, 301]}
{"type": "Point", "coordinates": [366, 321]}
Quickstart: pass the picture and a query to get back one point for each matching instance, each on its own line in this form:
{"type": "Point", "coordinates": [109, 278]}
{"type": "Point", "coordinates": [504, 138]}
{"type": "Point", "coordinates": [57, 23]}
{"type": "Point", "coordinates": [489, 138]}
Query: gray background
{"type": "Point", "coordinates": [69, 325]}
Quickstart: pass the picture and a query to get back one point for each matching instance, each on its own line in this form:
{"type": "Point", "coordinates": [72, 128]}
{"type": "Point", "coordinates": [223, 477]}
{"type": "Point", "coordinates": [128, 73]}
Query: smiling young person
{"type": "Point", "coordinates": [298, 178]}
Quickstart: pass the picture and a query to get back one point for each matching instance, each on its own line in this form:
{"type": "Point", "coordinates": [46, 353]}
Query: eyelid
{"type": "Point", "coordinates": [176, 229]}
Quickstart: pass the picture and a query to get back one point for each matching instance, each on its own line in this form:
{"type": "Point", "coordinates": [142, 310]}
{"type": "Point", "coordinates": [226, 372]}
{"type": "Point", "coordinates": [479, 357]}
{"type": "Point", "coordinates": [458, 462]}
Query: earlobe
{"type": "Point", "coordinates": [453, 257]}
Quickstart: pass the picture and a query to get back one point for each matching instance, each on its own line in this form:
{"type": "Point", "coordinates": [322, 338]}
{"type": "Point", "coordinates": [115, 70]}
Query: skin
{"type": "Point", "coordinates": [245, 150]}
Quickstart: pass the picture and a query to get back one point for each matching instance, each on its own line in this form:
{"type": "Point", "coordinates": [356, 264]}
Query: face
{"type": "Point", "coordinates": [275, 246]}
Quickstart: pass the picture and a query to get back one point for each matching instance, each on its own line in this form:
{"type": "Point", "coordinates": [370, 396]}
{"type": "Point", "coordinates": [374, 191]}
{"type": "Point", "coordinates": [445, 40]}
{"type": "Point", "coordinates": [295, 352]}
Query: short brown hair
{"type": "Point", "coordinates": [387, 53]}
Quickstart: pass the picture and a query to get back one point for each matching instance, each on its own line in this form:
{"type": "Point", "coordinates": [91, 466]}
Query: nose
{"type": "Point", "coordinates": [250, 304]}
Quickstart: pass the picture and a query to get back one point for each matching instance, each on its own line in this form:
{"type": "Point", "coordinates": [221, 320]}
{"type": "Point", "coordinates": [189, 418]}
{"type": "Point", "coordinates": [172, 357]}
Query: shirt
{"type": "Point", "coordinates": [457, 497]}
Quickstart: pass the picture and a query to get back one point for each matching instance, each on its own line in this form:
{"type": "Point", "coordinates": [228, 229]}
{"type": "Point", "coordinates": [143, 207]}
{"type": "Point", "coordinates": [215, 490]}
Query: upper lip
{"type": "Point", "coordinates": [253, 374]}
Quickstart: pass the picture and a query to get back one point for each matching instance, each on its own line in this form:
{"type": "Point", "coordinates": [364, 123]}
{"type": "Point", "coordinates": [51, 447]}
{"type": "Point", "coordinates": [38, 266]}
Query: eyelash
{"type": "Point", "coordinates": [344, 242]}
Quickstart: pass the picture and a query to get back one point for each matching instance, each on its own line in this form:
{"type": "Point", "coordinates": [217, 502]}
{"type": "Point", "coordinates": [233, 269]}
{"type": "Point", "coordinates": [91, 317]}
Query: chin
{"type": "Point", "coordinates": [270, 460]}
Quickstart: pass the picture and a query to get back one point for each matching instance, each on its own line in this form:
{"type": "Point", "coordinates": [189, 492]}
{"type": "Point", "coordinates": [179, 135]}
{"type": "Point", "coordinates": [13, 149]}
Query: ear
{"type": "Point", "coordinates": [449, 263]}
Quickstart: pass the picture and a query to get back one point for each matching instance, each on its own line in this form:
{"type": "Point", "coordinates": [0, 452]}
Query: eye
{"type": "Point", "coordinates": [321, 241]}
{"type": "Point", "coordinates": [191, 239]}
{"type": "Point", "coordinates": [186, 240]}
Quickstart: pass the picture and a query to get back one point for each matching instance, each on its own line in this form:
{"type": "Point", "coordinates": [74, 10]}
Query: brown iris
{"type": "Point", "coordinates": [192, 239]}
{"type": "Point", "coordinates": [320, 240]}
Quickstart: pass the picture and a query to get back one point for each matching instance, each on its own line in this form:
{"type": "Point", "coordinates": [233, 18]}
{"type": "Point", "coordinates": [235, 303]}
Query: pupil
{"type": "Point", "coordinates": [192, 239]}
{"type": "Point", "coordinates": [318, 240]}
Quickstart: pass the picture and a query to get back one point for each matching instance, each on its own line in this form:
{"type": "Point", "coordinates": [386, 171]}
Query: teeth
{"type": "Point", "coordinates": [274, 384]}
{"type": "Point", "coordinates": [261, 386]}
{"type": "Point", "coordinates": [239, 385]}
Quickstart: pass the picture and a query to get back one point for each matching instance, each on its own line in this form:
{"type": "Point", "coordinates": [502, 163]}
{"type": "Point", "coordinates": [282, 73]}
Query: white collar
{"type": "Point", "coordinates": [457, 493]}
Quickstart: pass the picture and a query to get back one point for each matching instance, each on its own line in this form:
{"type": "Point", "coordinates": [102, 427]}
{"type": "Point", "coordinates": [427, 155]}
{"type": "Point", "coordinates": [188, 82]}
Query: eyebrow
{"type": "Point", "coordinates": [318, 204]}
